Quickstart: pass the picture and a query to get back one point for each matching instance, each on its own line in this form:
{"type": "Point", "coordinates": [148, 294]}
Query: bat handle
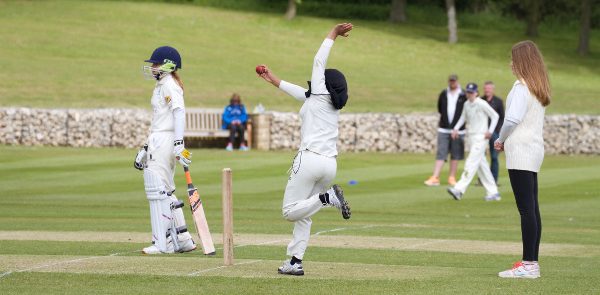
{"type": "Point", "coordinates": [188, 177]}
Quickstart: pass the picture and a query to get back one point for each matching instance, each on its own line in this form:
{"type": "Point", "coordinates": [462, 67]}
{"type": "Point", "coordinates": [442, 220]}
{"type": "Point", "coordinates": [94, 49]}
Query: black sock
{"type": "Point", "coordinates": [295, 260]}
{"type": "Point", "coordinates": [324, 198]}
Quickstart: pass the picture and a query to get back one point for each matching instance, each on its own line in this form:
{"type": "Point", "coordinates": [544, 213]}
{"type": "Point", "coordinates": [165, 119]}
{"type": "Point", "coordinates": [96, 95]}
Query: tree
{"type": "Point", "coordinates": [398, 11]}
{"type": "Point", "coordinates": [533, 17]}
{"type": "Point", "coordinates": [584, 29]}
{"type": "Point", "coordinates": [291, 10]}
{"type": "Point", "coordinates": [452, 26]}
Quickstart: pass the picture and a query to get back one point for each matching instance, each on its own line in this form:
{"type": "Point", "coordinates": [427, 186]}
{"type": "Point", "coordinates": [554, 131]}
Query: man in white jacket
{"type": "Point", "coordinates": [476, 113]}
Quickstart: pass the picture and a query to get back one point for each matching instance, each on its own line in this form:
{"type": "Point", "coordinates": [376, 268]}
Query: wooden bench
{"type": "Point", "coordinates": [207, 123]}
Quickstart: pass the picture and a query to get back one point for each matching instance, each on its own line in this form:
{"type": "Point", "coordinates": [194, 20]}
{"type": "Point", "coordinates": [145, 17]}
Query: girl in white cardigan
{"type": "Point", "coordinates": [521, 137]}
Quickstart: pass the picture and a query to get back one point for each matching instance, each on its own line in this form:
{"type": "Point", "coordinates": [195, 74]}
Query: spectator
{"type": "Point", "coordinates": [498, 106]}
{"type": "Point", "coordinates": [450, 107]}
{"type": "Point", "coordinates": [522, 138]}
{"type": "Point", "coordinates": [234, 119]}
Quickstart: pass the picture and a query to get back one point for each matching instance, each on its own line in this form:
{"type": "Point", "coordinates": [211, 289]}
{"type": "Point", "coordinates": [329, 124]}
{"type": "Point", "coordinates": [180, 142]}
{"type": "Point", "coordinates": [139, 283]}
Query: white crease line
{"type": "Point", "coordinates": [61, 262]}
{"type": "Point", "coordinates": [284, 240]}
{"type": "Point", "coordinates": [419, 245]}
{"type": "Point", "coordinates": [5, 274]}
{"type": "Point", "coordinates": [262, 244]}
{"type": "Point", "coordinates": [220, 267]}
{"type": "Point", "coordinates": [409, 225]}
{"type": "Point", "coordinates": [329, 231]}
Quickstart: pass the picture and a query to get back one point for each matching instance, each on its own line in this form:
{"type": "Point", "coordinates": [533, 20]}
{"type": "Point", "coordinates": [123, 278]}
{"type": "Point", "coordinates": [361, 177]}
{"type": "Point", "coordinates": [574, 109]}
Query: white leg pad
{"type": "Point", "coordinates": [160, 209]}
{"type": "Point", "coordinates": [180, 221]}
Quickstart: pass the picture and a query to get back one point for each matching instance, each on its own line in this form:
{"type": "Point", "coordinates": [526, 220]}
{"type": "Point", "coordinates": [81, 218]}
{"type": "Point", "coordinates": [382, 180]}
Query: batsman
{"type": "Point", "coordinates": [162, 150]}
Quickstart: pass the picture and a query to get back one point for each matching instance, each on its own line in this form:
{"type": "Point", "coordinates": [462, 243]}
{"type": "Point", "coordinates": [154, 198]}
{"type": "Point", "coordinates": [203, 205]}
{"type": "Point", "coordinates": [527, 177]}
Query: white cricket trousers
{"type": "Point", "coordinates": [476, 163]}
{"type": "Point", "coordinates": [160, 157]}
{"type": "Point", "coordinates": [161, 162]}
{"type": "Point", "coordinates": [310, 176]}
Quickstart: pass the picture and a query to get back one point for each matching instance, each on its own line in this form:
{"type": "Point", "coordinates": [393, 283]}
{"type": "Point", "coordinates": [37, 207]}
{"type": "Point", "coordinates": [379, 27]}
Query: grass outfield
{"type": "Point", "coordinates": [73, 220]}
{"type": "Point", "coordinates": [89, 54]}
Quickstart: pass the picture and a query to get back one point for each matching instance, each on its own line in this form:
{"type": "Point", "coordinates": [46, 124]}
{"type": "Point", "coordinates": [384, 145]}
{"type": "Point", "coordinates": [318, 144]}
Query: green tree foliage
{"type": "Point", "coordinates": [423, 11]}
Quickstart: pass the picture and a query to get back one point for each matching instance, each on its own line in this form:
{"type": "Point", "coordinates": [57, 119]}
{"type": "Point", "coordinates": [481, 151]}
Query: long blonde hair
{"type": "Point", "coordinates": [177, 78]}
{"type": "Point", "coordinates": [528, 65]}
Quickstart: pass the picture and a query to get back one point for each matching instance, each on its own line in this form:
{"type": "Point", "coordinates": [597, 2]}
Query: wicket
{"type": "Point", "coordinates": [227, 217]}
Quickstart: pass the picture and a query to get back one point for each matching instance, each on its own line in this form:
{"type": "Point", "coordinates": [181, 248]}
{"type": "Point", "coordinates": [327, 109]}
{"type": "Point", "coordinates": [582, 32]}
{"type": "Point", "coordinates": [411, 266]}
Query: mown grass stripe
{"type": "Point", "coordinates": [321, 239]}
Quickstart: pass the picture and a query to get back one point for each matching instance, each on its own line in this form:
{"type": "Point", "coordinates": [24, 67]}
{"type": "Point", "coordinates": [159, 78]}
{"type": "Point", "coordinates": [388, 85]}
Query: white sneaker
{"type": "Point", "coordinates": [521, 271]}
{"type": "Point", "coordinates": [494, 197]}
{"type": "Point", "coordinates": [187, 246]}
{"type": "Point", "coordinates": [336, 199]}
{"type": "Point", "coordinates": [288, 269]}
{"type": "Point", "coordinates": [184, 246]}
{"type": "Point", "coordinates": [456, 194]}
{"type": "Point", "coordinates": [152, 250]}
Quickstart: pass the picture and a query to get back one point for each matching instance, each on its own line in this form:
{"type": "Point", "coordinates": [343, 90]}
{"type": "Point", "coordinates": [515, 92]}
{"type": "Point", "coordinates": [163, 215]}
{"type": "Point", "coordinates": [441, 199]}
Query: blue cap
{"type": "Point", "coordinates": [471, 87]}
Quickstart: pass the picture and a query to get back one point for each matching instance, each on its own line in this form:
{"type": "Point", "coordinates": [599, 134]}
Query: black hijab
{"type": "Point", "coordinates": [335, 82]}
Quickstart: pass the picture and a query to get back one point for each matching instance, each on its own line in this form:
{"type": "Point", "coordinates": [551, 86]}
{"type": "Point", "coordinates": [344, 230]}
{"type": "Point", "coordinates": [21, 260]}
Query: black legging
{"type": "Point", "coordinates": [525, 186]}
{"type": "Point", "coordinates": [239, 129]}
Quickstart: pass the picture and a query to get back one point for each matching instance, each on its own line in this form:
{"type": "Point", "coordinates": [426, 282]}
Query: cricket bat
{"type": "Point", "coordinates": [198, 215]}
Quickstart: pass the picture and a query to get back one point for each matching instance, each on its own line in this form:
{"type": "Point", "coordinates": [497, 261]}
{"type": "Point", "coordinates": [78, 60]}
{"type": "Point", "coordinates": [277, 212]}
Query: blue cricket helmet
{"type": "Point", "coordinates": [163, 54]}
{"type": "Point", "coordinates": [472, 87]}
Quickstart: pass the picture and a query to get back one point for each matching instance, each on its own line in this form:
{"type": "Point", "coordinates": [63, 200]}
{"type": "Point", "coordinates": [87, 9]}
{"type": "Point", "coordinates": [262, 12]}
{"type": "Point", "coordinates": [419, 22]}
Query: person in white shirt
{"type": "Point", "coordinates": [162, 149]}
{"type": "Point", "coordinates": [476, 113]}
{"type": "Point", "coordinates": [521, 137]}
{"type": "Point", "coordinates": [315, 165]}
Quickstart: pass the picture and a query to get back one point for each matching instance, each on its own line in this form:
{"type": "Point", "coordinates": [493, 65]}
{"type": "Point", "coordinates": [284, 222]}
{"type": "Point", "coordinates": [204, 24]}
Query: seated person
{"type": "Point", "coordinates": [234, 119]}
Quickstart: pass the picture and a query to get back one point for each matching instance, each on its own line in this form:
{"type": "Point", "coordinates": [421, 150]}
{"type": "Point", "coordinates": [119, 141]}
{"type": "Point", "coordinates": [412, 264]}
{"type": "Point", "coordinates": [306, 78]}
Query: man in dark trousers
{"type": "Point", "coordinates": [450, 106]}
{"type": "Point", "coordinates": [498, 106]}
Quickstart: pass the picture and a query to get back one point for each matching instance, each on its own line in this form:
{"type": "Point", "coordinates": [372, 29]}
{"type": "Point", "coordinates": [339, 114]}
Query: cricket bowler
{"type": "Point", "coordinates": [315, 165]}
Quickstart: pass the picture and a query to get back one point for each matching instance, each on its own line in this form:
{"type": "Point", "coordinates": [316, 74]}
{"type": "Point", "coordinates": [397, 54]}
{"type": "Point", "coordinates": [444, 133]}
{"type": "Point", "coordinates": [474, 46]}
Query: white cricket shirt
{"type": "Point", "coordinates": [476, 114]}
{"type": "Point", "coordinates": [319, 131]}
{"type": "Point", "coordinates": [167, 96]}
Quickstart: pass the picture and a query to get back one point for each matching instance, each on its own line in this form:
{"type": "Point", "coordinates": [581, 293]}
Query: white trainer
{"type": "Point", "coordinates": [521, 271]}
{"type": "Point", "coordinates": [184, 246]}
{"type": "Point", "coordinates": [494, 197]}
{"type": "Point", "coordinates": [456, 194]}
{"type": "Point", "coordinates": [187, 246]}
{"type": "Point", "coordinates": [288, 269]}
{"type": "Point", "coordinates": [152, 250]}
{"type": "Point", "coordinates": [337, 200]}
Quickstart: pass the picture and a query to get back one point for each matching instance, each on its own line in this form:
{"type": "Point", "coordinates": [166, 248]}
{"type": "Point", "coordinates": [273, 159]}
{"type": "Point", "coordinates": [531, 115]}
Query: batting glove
{"type": "Point", "coordinates": [140, 159]}
{"type": "Point", "coordinates": [181, 153]}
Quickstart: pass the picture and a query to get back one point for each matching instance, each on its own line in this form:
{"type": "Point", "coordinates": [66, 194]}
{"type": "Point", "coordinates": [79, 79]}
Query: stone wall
{"type": "Point", "coordinates": [74, 127]}
{"type": "Point", "coordinates": [416, 133]}
{"type": "Point", "coordinates": [373, 132]}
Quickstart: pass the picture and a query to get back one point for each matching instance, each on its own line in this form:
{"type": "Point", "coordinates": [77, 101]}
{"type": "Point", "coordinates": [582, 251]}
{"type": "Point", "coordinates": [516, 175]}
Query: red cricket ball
{"type": "Point", "coordinates": [261, 70]}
